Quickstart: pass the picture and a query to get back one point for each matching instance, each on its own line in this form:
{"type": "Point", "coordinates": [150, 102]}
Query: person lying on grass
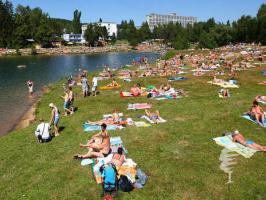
{"type": "Point", "coordinates": [118, 158]}
{"type": "Point", "coordinates": [98, 146]}
{"type": "Point", "coordinates": [257, 113]}
{"type": "Point", "coordinates": [135, 90]}
{"type": "Point", "coordinates": [155, 117]}
{"type": "Point", "coordinates": [239, 138]}
{"type": "Point", "coordinates": [216, 80]}
{"type": "Point", "coordinates": [113, 84]}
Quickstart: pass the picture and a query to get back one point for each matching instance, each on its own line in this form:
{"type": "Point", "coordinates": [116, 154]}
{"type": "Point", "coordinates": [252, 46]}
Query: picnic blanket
{"type": "Point", "coordinates": [228, 143]}
{"type": "Point", "coordinates": [161, 120]}
{"type": "Point", "coordinates": [177, 78]}
{"type": "Point", "coordinates": [138, 106]}
{"type": "Point", "coordinates": [90, 127]}
{"type": "Point", "coordinates": [129, 94]}
{"type": "Point", "coordinates": [248, 117]}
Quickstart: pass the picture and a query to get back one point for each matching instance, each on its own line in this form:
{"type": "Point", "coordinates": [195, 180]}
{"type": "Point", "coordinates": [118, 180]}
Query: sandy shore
{"type": "Point", "coordinates": [28, 117]}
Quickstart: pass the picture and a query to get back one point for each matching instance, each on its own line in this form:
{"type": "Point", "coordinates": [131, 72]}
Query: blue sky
{"type": "Point", "coordinates": [116, 10]}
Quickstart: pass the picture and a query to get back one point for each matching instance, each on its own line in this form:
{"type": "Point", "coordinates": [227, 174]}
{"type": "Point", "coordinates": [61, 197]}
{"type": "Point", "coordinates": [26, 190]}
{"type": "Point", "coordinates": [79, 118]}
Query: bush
{"type": "Point", "coordinates": [169, 55]}
{"type": "Point", "coordinates": [33, 50]}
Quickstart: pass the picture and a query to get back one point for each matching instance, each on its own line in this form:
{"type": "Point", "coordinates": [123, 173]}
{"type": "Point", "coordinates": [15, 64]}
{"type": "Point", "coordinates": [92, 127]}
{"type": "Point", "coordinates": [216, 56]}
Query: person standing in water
{"type": "Point", "coordinates": [30, 86]}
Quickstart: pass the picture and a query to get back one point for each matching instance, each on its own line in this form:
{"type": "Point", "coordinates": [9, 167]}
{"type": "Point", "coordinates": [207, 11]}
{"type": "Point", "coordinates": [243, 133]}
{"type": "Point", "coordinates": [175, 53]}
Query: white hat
{"type": "Point", "coordinates": [51, 105]}
{"type": "Point", "coordinates": [236, 132]}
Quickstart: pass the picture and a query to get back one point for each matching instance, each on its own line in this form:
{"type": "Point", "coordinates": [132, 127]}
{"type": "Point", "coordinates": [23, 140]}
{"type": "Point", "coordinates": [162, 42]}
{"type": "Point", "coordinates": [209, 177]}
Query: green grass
{"type": "Point", "coordinates": [180, 158]}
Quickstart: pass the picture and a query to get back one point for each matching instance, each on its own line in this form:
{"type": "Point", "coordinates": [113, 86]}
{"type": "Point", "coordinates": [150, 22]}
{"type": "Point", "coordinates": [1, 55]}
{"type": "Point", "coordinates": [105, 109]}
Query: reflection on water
{"type": "Point", "coordinates": [14, 100]}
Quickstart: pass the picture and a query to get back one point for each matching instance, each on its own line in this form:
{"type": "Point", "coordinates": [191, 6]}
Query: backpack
{"type": "Point", "coordinates": [124, 184]}
{"type": "Point", "coordinates": [109, 178]}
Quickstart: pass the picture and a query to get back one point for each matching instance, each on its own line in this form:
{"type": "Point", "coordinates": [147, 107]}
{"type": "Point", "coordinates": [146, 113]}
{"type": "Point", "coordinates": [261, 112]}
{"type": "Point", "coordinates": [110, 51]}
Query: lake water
{"type": "Point", "coordinates": [42, 70]}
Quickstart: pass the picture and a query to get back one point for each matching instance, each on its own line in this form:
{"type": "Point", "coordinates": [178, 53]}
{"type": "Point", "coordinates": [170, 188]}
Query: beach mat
{"type": "Point", "coordinates": [89, 127]}
{"type": "Point", "coordinates": [228, 143]}
{"type": "Point", "coordinates": [141, 124]}
{"type": "Point", "coordinates": [177, 79]}
{"type": "Point", "coordinates": [138, 106]}
{"type": "Point", "coordinates": [250, 119]}
{"type": "Point", "coordinates": [109, 87]}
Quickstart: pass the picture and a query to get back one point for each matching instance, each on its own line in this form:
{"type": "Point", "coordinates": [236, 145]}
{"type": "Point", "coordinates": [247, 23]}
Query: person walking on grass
{"type": "Point", "coordinates": [71, 99]}
{"type": "Point", "coordinates": [85, 86]}
{"type": "Point", "coordinates": [94, 85]}
{"type": "Point", "coordinates": [66, 103]}
{"type": "Point", "coordinates": [54, 118]}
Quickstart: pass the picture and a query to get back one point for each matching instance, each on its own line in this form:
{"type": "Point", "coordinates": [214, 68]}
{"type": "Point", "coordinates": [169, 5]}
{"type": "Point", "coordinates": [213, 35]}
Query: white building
{"type": "Point", "coordinates": [156, 19]}
{"type": "Point", "coordinates": [74, 38]}
{"type": "Point", "coordinates": [111, 28]}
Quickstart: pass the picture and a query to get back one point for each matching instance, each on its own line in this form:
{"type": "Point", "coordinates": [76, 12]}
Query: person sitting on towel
{"type": "Point", "coordinates": [118, 158]}
{"type": "Point", "coordinates": [98, 146]}
{"type": "Point", "coordinates": [257, 113]}
{"type": "Point", "coordinates": [155, 117]}
{"type": "Point", "coordinates": [239, 138]}
{"type": "Point", "coordinates": [113, 119]}
{"type": "Point", "coordinates": [113, 84]}
{"type": "Point", "coordinates": [135, 90]}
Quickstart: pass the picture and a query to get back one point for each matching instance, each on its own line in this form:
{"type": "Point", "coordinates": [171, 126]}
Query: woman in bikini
{"type": "Point", "coordinates": [257, 113]}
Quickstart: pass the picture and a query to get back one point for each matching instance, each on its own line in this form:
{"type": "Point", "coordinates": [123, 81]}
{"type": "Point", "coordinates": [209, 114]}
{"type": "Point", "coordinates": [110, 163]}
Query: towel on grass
{"type": "Point", "coordinates": [142, 124]}
{"type": "Point", "coordinates": [89, 127]}
{"type": "Point", "coordinates": [138, 106]}
{"type": "Point", "coordinates": [248, 117]}
{"type": "Point", "coordinates": [177, 78]}
{"type": "Point", "coordinates": [224, 84]}
{"type": "Point", "coordinates": [161, 120]}
{"type": "Point", "coordinates": [228, 143]}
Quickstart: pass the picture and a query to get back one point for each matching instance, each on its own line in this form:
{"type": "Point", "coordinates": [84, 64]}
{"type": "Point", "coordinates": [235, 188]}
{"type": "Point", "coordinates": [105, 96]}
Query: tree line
{"type": "Point", "coordinates": [21, 26]}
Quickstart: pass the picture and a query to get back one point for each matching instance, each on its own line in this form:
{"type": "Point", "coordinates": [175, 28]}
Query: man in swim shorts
{"type": "Point", "coordinates": [97, 149]}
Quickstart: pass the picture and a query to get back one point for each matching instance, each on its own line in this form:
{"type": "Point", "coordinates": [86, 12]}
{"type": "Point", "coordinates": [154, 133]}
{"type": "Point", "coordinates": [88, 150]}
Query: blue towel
{"type": "Point", "coordinates": [250, 119]}
{"type": "Point", "coordinates": [89, 127]}
{"type": "Point", "coordinates": [263, 73]}
{"type": "Point", "coordinates": [177, 79]}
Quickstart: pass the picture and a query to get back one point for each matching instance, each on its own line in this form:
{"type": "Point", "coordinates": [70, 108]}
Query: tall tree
{"type": "Point", "coordinates": [261, 17]}
{"type": "Point", "coordinates": [7, 23]}
{"type": "Point", "coordinates": [76, 22]}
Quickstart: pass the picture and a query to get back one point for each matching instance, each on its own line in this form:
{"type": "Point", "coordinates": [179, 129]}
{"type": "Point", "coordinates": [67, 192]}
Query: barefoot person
{"type": "Point", "coordinates": [66, 104]}
{"type": "Point", "coordinates": [257, 113]}
{"type": "Point", "coordinates": [118, 158]}
{"type": "Point", "coordinates": [54, 118]}
{"type": "Point", "coordinates": [30, 86]}
{"type": "Point", "coordinates": [98, 146]}
{"type": "Point", "coordinates": [85, 86]}
{"type": "Point", "coordinates": [135, 90]}
{"type": "Point", "coordinates": [238, 137]}
{"type": "Point", "coordinates": [155, 117]}
{"type": "Point", "coordinates": [94, 85]}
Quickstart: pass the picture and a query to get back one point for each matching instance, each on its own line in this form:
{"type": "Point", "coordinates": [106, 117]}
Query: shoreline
{"type": "Point", "coordinates": [78, 50]}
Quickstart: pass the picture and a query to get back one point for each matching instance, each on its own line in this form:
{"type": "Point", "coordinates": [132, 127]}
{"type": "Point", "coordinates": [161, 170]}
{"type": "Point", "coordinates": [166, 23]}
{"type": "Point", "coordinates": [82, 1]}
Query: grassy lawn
{"type": "Point", "coordinates": [180, 158]}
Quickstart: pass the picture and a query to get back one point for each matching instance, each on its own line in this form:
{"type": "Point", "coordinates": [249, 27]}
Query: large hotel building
{"type": "Point", "coordinates": [156, 19]}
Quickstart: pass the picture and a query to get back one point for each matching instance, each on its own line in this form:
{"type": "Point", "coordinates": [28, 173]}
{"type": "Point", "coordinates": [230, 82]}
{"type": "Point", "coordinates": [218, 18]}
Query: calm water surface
{"type": "Point", "coordinates": [14, 98]}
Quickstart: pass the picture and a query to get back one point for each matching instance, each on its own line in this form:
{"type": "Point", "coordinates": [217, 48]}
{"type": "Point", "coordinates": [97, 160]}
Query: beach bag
{"type": "Point", "coordinates": [109, 178]}
{"type": "Point", "coordinates": [125, 184]}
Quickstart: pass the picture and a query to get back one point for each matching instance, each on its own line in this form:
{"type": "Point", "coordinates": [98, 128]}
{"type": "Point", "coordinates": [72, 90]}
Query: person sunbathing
{"type": "Point", "coordinates": [118, 158]}
{"type": "Point", "coordinates": [260, 98]}
{"type": "Point", "coordinates": [113, 119]}
{"type": "Point", "coordinates": [239, 138]}
{"type": "Point", "coordinates": [98, 147]}
{"type": "Point", "coordinates": [216, 80]}
{"type": "Point", "coordinates": [113, 84]}
{"type": "Point", "coordinates": [155, 117]}
{"type": "Point", "coordinates": [135, 90]}
{"type": "Point", "coordinates": [256, 112]}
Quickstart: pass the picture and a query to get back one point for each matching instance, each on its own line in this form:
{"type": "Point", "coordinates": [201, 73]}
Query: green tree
{"type": "Point", "coordinates": [145, 32]}
{"type": "Point", "coordinates": [7, 23]}
{"type": "Point", "coordinates": [261, 17]}
{"type": "Point", "coordinates": [207, 40]}
{"type": "Point", "coordinates": [76, 22]}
